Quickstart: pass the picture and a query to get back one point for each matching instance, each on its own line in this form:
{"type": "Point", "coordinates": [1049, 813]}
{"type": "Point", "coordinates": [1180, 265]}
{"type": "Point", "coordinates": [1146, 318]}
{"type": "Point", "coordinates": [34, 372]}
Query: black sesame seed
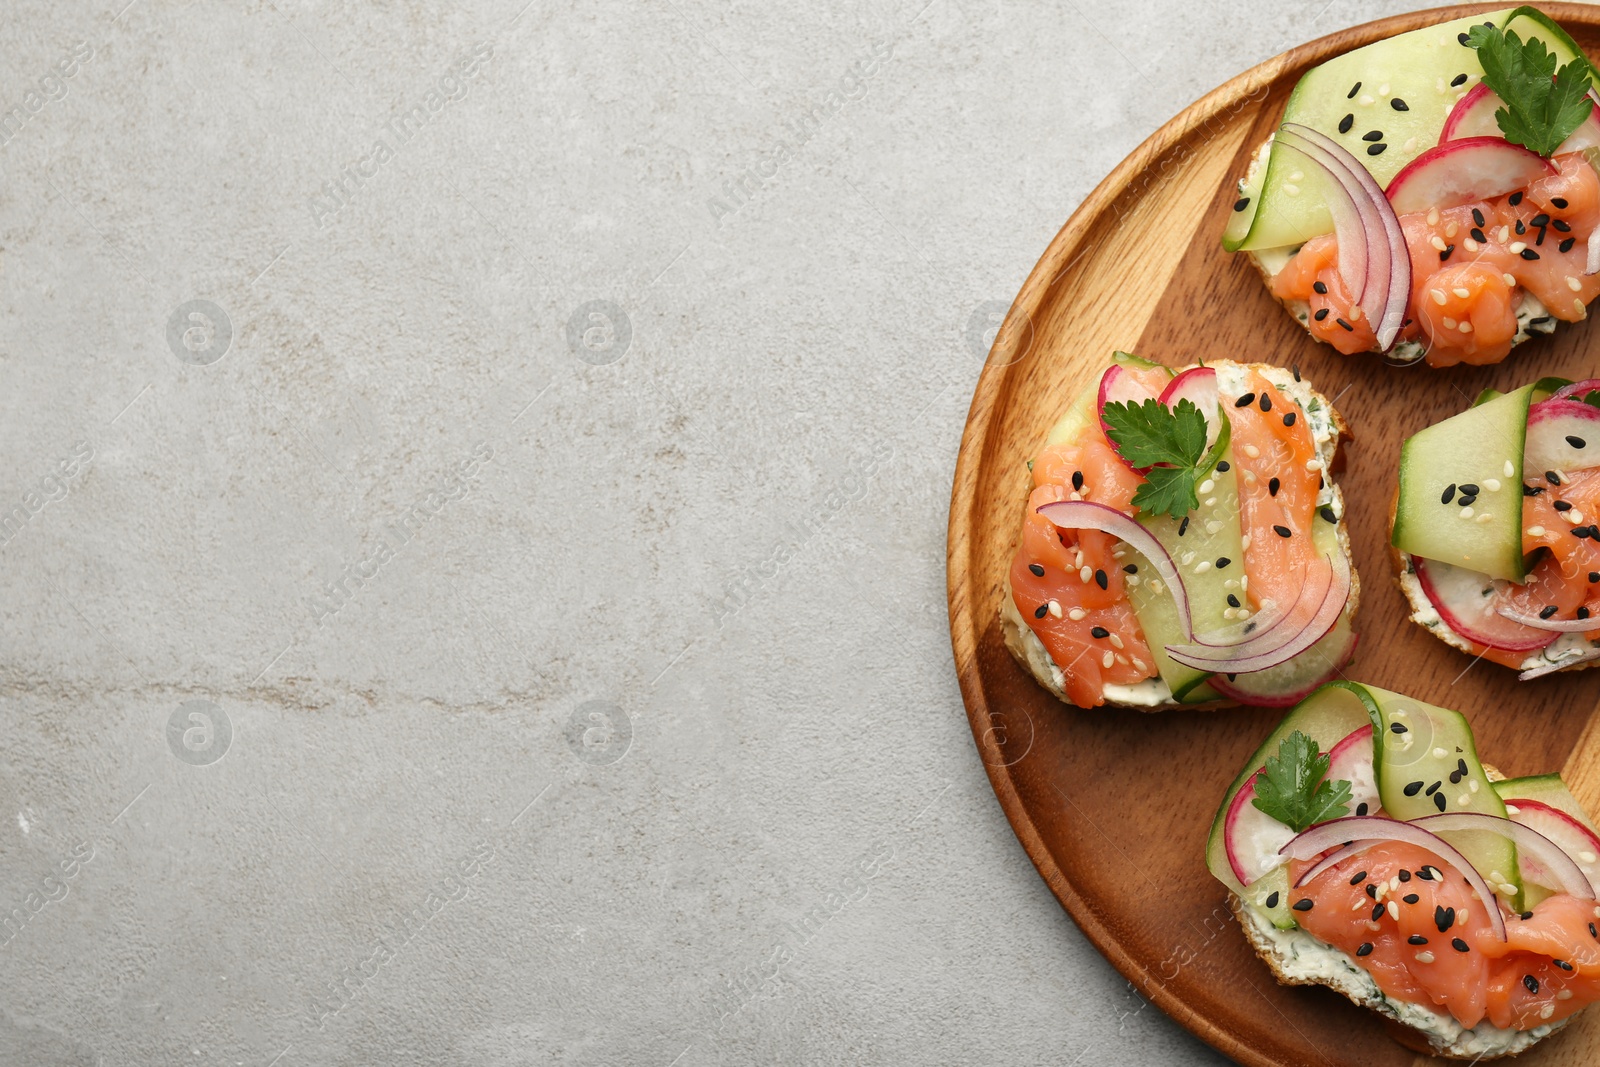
{"type": "Point", "coordinates": [1345, 324]}
{"type": "Point", "coordinates": [1477, 216]}
{"type": "Point", "coordinates": [1266, 402]}
{"type": "Point", "coordinates": [1288, 420]}
{"type": "Point", "coordinates": [1542, 232]}
{"type": "Point", "coordinates": [1438, 801]}
{"type": "Point", "coordinates": [1559, 201]}
{"type": "Point", "coordinates": [1346, 122]}
{"type": "Point", "coordinates": [1327, 514]}
{"type": "Point", "coordinates": [1580, 532]}
{"type": "Point", "coordinates": [1397, 727]}
{"type": "Point", "coordinates": [1358, 878]}
{"type": "Point", "coordinates": [1077, 480]}
{"type": "Point", "coordinates": [1241, 203]}
{"type": "Point", "coordinates": [1183, 527]}
{"type": "Point", "coordinates": [1528, 253]}
{"type": "Point", "coordinates": [1563, 505]}
{"type": "Point", "coordinates": [1455, 777]}
{"type": "Point", "coordinates": [1522, 227]}
{"type": "Point", "coordinates": [1531, 982]}
{"type": "Point", "coordinates": [1417, 939]}
{"type": "Point", "coordinates": [1100, 579]}
{"type": "Point", "coordinates": [1377, 913]}
{"type": "Point", "coordinates": [1304, 904]}
{"type": "Point", "coordinates": [1413, 788]}
{"type": "Point", "coordinates": [1365, 949]}
{"type": "Point", "coordinates": [1130, 568]}
{"type": "Point", "coordinates": [1469, 489]}
{"type": "Point", "coordinates": [1459, 79]}
{"type": "Point", "coordinates": [1245, 401]}
{"type": "Point", "coordinates": [1583, 613]}
{"type": "Point", "coordinates": [1552, 477]}
{"type": "Point", "coordinates": [1467, 500]}
{"type": "Point", "coordinates": [1321, 288]}
{"type": "Point", "coordinates": [1449, 493]}
{"type": "Point", "coordinates": [1038, 571]}
{"type": "Point", "coordinates": [1233, 601]}
{"type": "Point", "coordinates": [1593, 932]}
{"type": "Point", "coordinates": [1294, 368]}
{"type": "Point", "coordinates": [1224, 467]}
{"type": "Point", "coordinates": [1443, 918]}
{"type": "Point", "coordinates": [1563, 964]}
{"type": "Point", "coordinates": [1434, 788]}
{"type": "Point", "coordinates": [1405, 875]}
{"type": "Point", "coordinates": [1273, 486]}
{"type": "Point", "coordinates": [1426, 874]}
{"type": "Point", "coordinates": [1283, 531]}
{"type": "Point", "coordinates": [1399, 104]}
{"type": "Point", "coordinates": [1566, 246]}
{"type": "Point", "coordinates": [1477, 235]}
{"type": "Point", "coordinates": [1576, 442]}
{"type": "Point", "coordinates": [1372, 891]}
{"type": "Point", "coordinates": [1099, 631]}
{"type": "Point", "coordinates": [1041, 611]}
{"type": "Point", "coordinates": [1222, 563]}
{"type": "Point", "coordinates": [1532, 490]}
{"type": "Point", "coordinates": [1464, 39]}
{"type": "Point", "coordinates": [1594, 576]}
{"type": "Point", "coordinates": [1459, 945]}
{"type": "Point", "coordinates": [1541, 219]}
{"type": "Point", "coordinates": [1376, 149]}
{"type": "Point", "coordinates": [1446, 253]}
{"type": "Point", "coordinates": [1411, 898]}
{"type": "Point", "coordinates": [1562, 226]}
{"type": "Point", "coordinates": [1373, 135]}
{"type": "Point", "coordinates": [1515, 198]}
{"type": "Point", "coordinates": [1354, 89]}
{"type": "Point", "coordinates": [1272, 899]}
{"type": "Point", "coordinates": [1361, 808]}
{"type": "Point", "coordinates": [1547, 611]}
{"type": "Point", "coordinates": [1321, 314]}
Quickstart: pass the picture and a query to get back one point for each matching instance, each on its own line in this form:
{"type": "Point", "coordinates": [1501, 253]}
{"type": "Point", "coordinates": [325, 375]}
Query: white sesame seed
{"type": "Point", "coordinates": [1206, 486]}
{"type": "Point", "coordinates": [1465, 327]}
{"type": "Point", "coordinates": [1505, 232]}
{"type": "Point", "coordinates": [1394, 910]}
{"type": "Point", "coordinates": [1291, 188]}
{"type": "Point", "coordinates": [1438, 296]}
{"type": "Point", "coordinates": [1084, 573]}
{"type": "Point", "coordinates": [1231, 583]}
{"type": "Point", "coordinates": [1213, 526]}
{"type": "Point", "coordinates": [1108, 659]}
{"type": "Point", "coordinates": [1116, 642]}
{"type": "Point", "coordinates": [1563, 994]}
{"type": "Point", "coordinates": [1244, 613]}
{"type": "Point", "coordinates": [1122, 659]}
{"type": "Point", "coordinates": [1211, 501]}
{"type": "Point", "coordinates": [1313, 464]}
{"type": "Point", "coordinates": [1228, 613]}
{"type": "Point", "coordinates": [1587, 856]}
{"type": "Point", "coordinates": [1383, 90]}
{"type": "Point", "coordinates": [1449, 323]}
{"type": "Point", "coordinates": [1547, 1011]}
{"type": "Point", "coordinates": [1461, 292]}
{"type": "Point", "coordinates": [1055, 609]}
{"type": "Point", "coordinates": [1470, 245]}
{"type": "Point", "coordinates": [1574, 284]}
{"type": "Point", "coordinates": [1252, 451]}
{"type": "Point", "coordinates": [1577, 306]}
{"type": "Point", "coordinates": [1139, 664]}
{"type": "Point", "coordinates": [1366, 100]}
{"type": "Point", "coordinates": [1574, 516]}
{"type": "Point", "coordinates": [1535, 531]}
{"type": "Point", "coordinates": [1424, 956]}
{"type": "Point", "coordinates": [1518, 246]}
{"type": "Point", "coordinates": [1433, 216]}
{"type": "Point", "coordinates": [1358, 905]}
{"type": "Point", "coordinates": [1155, 585]}
{"type": "Point", "coordinates": [1132, 581]}
{"type": "Point", "coordinates": [1244, 583]}
{"type": "Point", "coordinates": [1077, 558]}
{"type": "Point", "coordinates": [1186, 559]}
{"type": "Point", "coordinates": [1492, 484]}
{"type": "Point", "coordinates": [1439, 753]}
{"type": "Point", "coordinates": [1355, 313]}
{"type": "Point", "coordinates": [1511, 283]}
{"type": "Point", "coordinates": [1485, 517]}
{"type": "Point", "coordinates": [1451, 228]}
{"type": "Point", "coordinates": [1374, 927]}
{"type": "Point", "coordinates": [1250, 477]}
{"type": "Point", "coordinates": [1467, 512]}
{"type": "Point", "coordinates": [1203, 566]}
{"type": "Point", "coordinates": [1077, 614]}
{"type": "Point", "coordinates": [1438, 242]}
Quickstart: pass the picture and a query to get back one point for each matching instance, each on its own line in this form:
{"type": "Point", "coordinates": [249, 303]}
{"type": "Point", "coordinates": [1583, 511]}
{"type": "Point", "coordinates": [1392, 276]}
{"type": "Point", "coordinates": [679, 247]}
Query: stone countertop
{"type": "Point", "coordinates": [472, 524]}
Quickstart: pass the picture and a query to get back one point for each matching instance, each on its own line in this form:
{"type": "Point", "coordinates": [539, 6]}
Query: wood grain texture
{"type": "Point", "coordinates": [1114, 807]}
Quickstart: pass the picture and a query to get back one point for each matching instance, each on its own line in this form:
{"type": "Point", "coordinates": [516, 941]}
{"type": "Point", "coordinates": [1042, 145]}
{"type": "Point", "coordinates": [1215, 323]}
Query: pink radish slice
{"type": "Point", "coordinates": [1466, 601]}
{"type": "Point", "coordinates": [1459, 172]}
{"type": "Point", "coordinates": [1550, 857]}
{"type": "Point", "coordinates": [1563, 435]}
{"type": "Point", "coordinates": [1289, 683]}
{"type": "Point", "coordinates": [1253, 838]}
{"type": "Point", "coordinates": [1338, 834]}
{"type": "Point", "coordinates": [1473, 116]}
{"type": "Point", "coordinates": [1117, 385]}
{"type": "Point", "coordinates": [1198, 385]}
{"type": "Point", "coordinates": [1577, 390]}
{"type": "Point", "coordinates": [1573, 838]}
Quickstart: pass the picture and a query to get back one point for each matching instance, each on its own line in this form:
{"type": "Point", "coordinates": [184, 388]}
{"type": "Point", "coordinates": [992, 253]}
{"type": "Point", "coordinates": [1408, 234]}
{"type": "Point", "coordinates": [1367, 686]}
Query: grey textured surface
{"type": "Point", "coordinates": [556, 531]}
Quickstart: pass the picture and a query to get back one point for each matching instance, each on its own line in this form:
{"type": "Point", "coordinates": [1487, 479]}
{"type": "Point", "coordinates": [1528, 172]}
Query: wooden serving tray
{"type": "Point", "coordinates": [1114, 806]}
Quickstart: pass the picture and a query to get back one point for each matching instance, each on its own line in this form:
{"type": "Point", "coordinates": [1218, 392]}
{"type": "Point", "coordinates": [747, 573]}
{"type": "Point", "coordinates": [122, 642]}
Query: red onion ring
{"type": "Point", "coordinates": [1087, 515]}
{"type": "Point", "coordinates": [1375, 828]}
{"type": "Point", "coordinates": [1289, 642]}
{"type": "Point", "coordinates": [1549, 854]}
{"type": "Point", "coordinates": [1550, 668]}
{"type": "Point", "coordinates": [1559, 626]}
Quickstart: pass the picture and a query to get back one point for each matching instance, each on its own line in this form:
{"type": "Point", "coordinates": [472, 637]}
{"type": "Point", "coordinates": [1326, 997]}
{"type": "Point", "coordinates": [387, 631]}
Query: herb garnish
{"type": "Point", "coordinates": [1543, 105]}
{"type": "Point", "coordinates": [1171, 442]}
{"type": "Point", "coordinates": [1290, 787]}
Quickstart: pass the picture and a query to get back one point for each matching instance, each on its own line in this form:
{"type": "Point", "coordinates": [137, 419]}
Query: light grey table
{"type": "Point", "coordinates": [472, 524]}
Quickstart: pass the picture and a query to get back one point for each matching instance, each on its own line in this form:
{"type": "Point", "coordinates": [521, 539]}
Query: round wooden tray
{"type": "Point", "coordinates": [1114, 806]}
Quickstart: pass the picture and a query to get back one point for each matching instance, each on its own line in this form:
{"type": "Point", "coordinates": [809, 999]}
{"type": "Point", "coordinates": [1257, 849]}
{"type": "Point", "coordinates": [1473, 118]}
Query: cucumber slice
{"type": "Point", "coordinates": [1269, 894]}
{"type": "Point", "coordinates": [1418, 69]}
{"type": "Point", "coordinates": [1422, 752]}
{"type": "Point", "coordinates": [1205, 536]}
{"type": "Point", "coordinates": [1327, 716]}
{"type": "Point", "coordinates": [1476, 447]}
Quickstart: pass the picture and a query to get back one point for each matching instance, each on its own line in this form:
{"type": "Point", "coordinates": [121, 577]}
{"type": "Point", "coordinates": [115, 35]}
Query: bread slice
{"type": "Point", "coordinates": [1532, 316]}
{"type": "Point", "coordinates": [1030, 652]}
{"type": "Point", "coordinates": [1425, 615]}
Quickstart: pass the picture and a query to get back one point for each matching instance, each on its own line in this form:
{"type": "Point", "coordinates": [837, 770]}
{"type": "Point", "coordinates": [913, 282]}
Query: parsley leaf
{"type": "Point", "coordinates": [1543, 105]}
{"type": "Point", "coordinates": [1290, 787]}
{"type": "Point", "coordinates": [1170, 441]}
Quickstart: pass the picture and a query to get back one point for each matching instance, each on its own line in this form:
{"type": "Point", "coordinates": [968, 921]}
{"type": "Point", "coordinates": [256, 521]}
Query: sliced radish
{"type": "Point", "coordinates": [1466, 601]}
{"type": "Point", "coordinates": [1563, 435]}
{"type": "Point", "coordinates": [1577, 390]}
{"type": "Point", "coordinates": [1551, 859]}
{"type": "Point", "coordinates": [1289, 683]}
{"type": "Point", "coordinates": [1198, 385]}
{"type": "Point", "coordinates": [1473, 116]}
{"type": "Point", "coordinates": [1575, 839]}
{"type": "Point", "coordinates": [1352, 762]}
{"type": "Point", "coordinates": [1459, 172]}
{"type": "Point", "coordinates": [1120, 385]}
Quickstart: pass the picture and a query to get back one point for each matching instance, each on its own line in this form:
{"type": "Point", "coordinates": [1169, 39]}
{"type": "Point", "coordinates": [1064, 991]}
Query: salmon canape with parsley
{"type": "Point", "coordinates": [1496, 527]}
{"type": "Point", "coordinates": [1366, 848]}
{"type": "Point", "coordinates": [1183, 542]}
{"type": "Point", "coordinates": [1433, 196]}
